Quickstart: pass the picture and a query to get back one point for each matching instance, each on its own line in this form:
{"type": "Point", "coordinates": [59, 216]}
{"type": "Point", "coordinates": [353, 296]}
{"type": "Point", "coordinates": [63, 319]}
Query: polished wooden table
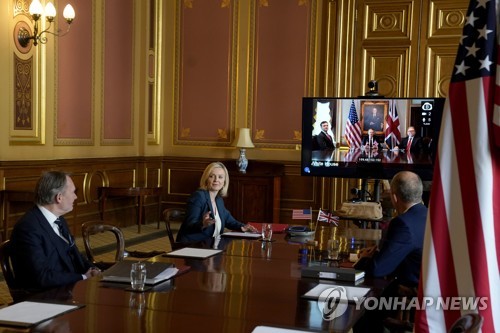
{"type": "Point", "coordinates": [140, 193]}
{"type": "Point", "coordinates": [250, 284]}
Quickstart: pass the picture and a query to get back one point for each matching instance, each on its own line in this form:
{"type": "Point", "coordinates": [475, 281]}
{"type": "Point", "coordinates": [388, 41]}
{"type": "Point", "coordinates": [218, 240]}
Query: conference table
{"type": "Point", "coordinates": [251, 283]}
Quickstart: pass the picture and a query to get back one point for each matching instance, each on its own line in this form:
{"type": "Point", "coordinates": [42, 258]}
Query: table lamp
{"type": "Point", "coordinates": [244, 141]}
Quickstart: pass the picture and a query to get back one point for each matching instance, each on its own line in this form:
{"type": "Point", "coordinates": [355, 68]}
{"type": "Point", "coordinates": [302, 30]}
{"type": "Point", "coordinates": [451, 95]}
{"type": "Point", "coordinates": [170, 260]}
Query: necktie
{"type": "Point", "coordinates": [64, 233]}
{"type": "Point", "coordinates": [408, 146]}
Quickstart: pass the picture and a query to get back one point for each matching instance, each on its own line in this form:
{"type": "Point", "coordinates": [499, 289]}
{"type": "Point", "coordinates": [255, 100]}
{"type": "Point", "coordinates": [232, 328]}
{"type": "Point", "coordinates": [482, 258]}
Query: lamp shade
{"type": "Point", "coordinates": [244, 140]}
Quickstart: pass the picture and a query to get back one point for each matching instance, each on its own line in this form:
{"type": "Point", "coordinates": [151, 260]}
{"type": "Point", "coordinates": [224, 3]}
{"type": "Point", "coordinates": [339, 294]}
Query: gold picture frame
{"type": "Point", "coordinates": [373, 115]}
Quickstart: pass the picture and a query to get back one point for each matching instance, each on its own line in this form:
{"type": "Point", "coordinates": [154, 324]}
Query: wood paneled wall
{"type": "Point", "coordinates": [179, 177]}
{"type": "Point", "coordinates": [88, 175]}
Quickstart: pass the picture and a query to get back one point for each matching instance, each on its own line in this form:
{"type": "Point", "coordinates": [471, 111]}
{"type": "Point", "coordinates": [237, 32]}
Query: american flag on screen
{"type": "Point", "coordinates": [462, 240]}
{"type": "Point", "coordinates": [301, 214]}
{"type": "Point", "coordinates": [352, 128]}
{"type": "Point", "coordinates": [392, 132]}
{"type": "Point", "coordinates": [352, 155]}
{"type": "Point", "coordinates": [326, 216]}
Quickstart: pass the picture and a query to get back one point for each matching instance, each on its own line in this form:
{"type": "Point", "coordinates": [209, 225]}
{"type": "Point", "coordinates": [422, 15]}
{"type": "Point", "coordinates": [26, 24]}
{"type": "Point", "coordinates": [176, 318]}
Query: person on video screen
{"type": "Point", "coordinates": [370, 141]}
{"type": "Point", "coordinates": [325, 140]}
{"type": "Point", "coordinates": [411, 143]}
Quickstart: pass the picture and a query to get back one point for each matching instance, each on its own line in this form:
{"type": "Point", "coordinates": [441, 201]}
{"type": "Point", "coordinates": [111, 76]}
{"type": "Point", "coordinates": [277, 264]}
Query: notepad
{"type": "Point", "coordinates": [26, 314]}
{"type": "Point", "coordinates": [156, 272]}
{"type": "Point", "coordinates": [351, 293]}
{"type": "Point", "coordinates": [191, 252]}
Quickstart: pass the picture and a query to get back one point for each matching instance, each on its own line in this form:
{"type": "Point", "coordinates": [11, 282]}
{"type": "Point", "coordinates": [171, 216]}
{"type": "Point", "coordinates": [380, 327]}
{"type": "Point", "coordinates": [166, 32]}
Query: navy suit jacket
{"type": "Point", "coordinates": [198, 204]}
{"type": "Point", "coordinates": [40, 258]}
{"type": "Point", "coordinates": [375, 139]}
{"type": "Point", "coordinates": [324, 142]}
{"type": "Point", "coordinates": [401, 253]}
{"type": "Point", "coordinates": [416, 145]}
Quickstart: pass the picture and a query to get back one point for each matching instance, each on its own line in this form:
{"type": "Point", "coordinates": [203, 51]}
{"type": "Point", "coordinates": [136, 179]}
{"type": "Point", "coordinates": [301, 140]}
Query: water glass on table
{"type": "Point", "coordinates": [267, 232]}
{"type": "Point", "coordinates": [332, 247]}
{"type": "Point", "coordinates": [138, 275]}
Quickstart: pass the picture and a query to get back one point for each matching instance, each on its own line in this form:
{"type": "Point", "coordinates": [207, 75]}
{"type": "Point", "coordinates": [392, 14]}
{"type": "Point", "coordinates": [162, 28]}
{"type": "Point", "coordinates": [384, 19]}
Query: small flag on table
{"type": "Point", "coordinates": [326, 216]}
{"type": "Point", "coordinates": [301, 214]}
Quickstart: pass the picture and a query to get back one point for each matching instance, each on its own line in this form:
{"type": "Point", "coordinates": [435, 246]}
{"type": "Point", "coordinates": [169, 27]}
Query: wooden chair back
{"type": "Point", "coordinates": [169, 215]}
{"type": "Point", "coordinates": [93, 228]}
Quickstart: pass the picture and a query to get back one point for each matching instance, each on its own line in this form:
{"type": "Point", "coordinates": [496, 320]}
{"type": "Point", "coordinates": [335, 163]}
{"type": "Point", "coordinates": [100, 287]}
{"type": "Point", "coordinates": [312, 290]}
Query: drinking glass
{"type": "Point", "coordinates": [332, 247]}
{"type": "Point", "coordinates": [267, 232]}
{"type": "Point", "coordinates": [138, 275]}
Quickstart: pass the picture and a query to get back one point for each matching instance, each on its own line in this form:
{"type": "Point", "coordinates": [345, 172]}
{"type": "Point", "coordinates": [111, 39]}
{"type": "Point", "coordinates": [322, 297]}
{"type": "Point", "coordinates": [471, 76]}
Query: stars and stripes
{"type": "Point", "coordinates": [462, 240]}
{"type": "Point", "coordinates": [352, 128]}
{"type": "Point", "coordinates": [392, 131]}
{"type": "Point", "coordinates": [352, 155]}
{"type": "Point", "coordinates": [301, 214]}
{"type": "Point", "coordinates": [326, 216]}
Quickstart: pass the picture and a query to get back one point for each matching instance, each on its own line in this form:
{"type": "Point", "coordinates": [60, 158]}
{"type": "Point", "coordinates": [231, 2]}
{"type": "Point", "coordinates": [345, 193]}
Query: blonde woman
{"type": "Point", "coordinates": [206, 215]}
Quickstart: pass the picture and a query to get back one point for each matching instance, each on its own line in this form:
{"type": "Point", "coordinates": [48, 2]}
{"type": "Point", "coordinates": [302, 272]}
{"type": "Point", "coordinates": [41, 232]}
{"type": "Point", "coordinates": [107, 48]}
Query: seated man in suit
{"type": "Point", "coordinates": [325, 140]}
{"type": "Point", "coordinates": [370, 141]}
{"type": "Point", "coordinates": [411, 143]}
{"type": "Point", "coordinates": [400, 256]}
{"type": "Point", "coordinates": [44, 254]}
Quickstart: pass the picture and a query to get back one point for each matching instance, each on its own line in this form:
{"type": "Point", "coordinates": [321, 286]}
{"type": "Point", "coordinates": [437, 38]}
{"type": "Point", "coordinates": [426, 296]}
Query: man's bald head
{"type": "Point", "coordinates": [407, 186]}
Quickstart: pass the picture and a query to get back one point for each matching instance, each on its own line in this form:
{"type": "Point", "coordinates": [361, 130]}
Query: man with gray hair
{"type": "Point", "coordinates": [401, 253]}
{"type": "Point", "coordinates": [44, 254]}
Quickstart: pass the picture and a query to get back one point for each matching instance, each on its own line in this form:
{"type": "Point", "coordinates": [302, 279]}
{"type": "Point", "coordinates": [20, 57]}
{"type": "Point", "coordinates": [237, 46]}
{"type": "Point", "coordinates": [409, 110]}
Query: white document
{"type": "Point", "coordinates": [191, 252]}
{"type": "Point", "coordinates": [30, 313]}
{"type": "Point", "coordinates": [156, 272]}
{"type": "Point", "coordinates": [350, 292]}
{"type": "Point", "coordinates": [240, 234]}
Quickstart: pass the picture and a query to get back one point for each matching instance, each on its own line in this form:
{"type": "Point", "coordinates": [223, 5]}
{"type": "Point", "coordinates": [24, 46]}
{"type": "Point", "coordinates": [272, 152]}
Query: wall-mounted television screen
{"type": "Point", "coordinates": [369, 137]}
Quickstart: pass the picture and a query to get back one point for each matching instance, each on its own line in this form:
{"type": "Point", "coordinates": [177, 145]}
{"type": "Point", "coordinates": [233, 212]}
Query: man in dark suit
{"type": "Point", "coordinates": [411, 143]}
{"type": "Point", "coordinates": [325, 140]}
{"type": "Point", "coordinates": [400, 255]}
{"type": "Point", "coordinates": [370, 141]}
{"type": "Point", "coordinates": [44, 254]}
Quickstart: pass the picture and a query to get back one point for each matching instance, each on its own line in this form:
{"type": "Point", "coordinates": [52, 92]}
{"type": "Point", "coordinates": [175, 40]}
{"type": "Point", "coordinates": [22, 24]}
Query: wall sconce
{"type": "Point", "coordinates": [244, 141]}
{"type": "Point", "coordinates": [36, 10]}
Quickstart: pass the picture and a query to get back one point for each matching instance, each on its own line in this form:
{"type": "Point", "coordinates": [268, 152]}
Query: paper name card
{"type": "Point", "coordinates": [191, 252]}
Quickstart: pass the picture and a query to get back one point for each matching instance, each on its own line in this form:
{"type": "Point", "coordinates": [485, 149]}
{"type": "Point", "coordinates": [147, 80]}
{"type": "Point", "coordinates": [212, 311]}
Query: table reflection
{"type": "Point", "coordinates": [362, 155]}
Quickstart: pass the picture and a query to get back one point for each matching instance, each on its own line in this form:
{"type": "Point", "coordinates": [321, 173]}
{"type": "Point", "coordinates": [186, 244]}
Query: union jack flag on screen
{"type": "Point", "coordinates": [352, 128]}
{"type": "Point", "coordinates": [326, 216]}
{"type": "Point", "coordinates": [462, 236]}
{"type": "Point", "coordinates": [392, 132]}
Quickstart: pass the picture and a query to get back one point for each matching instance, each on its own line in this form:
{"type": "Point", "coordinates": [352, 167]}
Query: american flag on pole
{"type": "Point", "coordinates": [392, 132]}
{"type": "Point", "coordinates": [462, 240]}
{"type": "Point", "coordinates": [352, 128]}
{"type": "Point", "coordinates": [301, 214]}
{"type": "Point", "coordinates": [326, 216]}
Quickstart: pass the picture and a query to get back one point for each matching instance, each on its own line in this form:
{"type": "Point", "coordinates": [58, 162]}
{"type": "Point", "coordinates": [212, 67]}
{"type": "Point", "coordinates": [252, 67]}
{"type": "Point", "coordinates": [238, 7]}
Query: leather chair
{"type": "Point", "coordinates": [16, 293]}
{"type": "Point", "coordinates": [469, 323]}
{"type": "Point", "coordinates": [169, 215]}
{"type": "Point", "coordinates": [93, 228]}
{"type": "Point", "coordinates": [403, 320]}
